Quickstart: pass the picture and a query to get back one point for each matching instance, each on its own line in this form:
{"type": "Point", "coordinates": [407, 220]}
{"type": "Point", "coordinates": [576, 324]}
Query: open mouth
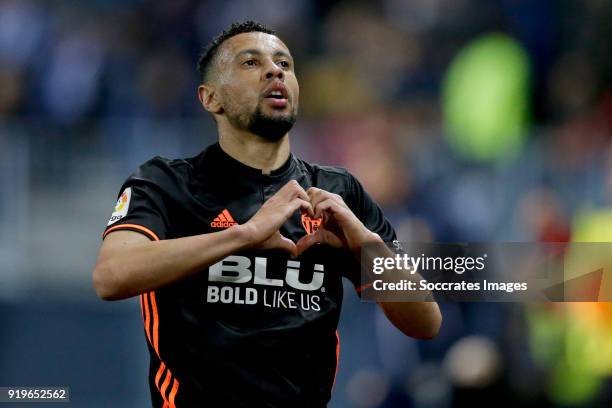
{"type": "Point", "coordinates": [276, 95]}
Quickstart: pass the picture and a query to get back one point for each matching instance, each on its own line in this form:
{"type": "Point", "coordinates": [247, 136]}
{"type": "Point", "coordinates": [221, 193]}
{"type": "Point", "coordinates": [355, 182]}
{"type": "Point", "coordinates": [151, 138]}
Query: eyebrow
{"type": "Point", "coordinates": [254, 51]}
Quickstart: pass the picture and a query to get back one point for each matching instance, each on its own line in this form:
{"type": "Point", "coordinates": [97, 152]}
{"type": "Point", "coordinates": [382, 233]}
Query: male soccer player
{"type": "Point", "coordinates": [238, 254]}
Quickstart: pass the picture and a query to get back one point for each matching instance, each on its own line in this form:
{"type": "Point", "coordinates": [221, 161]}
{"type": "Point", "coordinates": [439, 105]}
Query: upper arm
{"type": "Point", "coordinates": [145, 200]}
{"type": "Point", "coordinates": [141, 208]}
{"type": "Point", "coordinates": [368, 211]}
{"type": "Point", "coordinates": [372, 217]}
{"type": "Point", "coordinates": [117, 241]}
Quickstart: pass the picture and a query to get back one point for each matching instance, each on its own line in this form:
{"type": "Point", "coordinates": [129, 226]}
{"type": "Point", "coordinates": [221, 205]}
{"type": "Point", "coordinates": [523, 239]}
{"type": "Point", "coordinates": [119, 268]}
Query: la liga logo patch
{"type": "Point", "coordinates": [121, 208]}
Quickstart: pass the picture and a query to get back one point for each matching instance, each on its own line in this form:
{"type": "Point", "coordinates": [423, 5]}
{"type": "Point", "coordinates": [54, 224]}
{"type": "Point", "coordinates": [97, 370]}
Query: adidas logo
{"type": "Point", "coordinates": [223, 220]}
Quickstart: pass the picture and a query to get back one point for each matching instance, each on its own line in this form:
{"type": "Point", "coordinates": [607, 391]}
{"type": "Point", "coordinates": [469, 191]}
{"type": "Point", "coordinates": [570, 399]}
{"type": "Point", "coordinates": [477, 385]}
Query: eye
{"type": "Point", "coordinates": [250, 63]}
{"type": "Point", "coordinates": [284, 64]}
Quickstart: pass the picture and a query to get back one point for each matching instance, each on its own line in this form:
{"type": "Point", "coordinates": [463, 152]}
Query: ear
{"type": "Point", "coordinates": [210, 99]}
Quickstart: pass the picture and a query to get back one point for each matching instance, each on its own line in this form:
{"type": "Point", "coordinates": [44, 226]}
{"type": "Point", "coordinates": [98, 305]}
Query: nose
{"type": "Point", "coordinates": [274, 71]}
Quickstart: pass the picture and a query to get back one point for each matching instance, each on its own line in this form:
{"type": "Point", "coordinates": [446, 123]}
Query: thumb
{"type": "Point", "coordinates": [278, 241]}
{"type": "Point", "coordinates": [286, 244]}
{"type": "Point", "coordinates": [321, 236]}
{"type": "Point", "coordinates": [307, 241]}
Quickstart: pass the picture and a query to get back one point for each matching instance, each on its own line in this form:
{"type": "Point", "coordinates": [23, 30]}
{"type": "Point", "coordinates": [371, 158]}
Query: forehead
{"type": "Point", "coordinates": [264, 43]}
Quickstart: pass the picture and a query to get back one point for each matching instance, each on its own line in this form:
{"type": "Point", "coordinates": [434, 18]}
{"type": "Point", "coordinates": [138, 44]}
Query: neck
{"type": "Point", "coordinates": [253, 150]}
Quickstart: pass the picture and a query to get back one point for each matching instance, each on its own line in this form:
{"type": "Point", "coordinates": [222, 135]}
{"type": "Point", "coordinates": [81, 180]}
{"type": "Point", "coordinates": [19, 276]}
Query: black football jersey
{"type": "Point", "coordinates": [258, 328]}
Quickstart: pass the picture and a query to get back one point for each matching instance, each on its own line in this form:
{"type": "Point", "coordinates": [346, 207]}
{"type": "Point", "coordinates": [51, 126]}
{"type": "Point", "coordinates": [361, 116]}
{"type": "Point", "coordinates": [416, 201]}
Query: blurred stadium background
{"type": "Point", "coordinates": [468, 120]}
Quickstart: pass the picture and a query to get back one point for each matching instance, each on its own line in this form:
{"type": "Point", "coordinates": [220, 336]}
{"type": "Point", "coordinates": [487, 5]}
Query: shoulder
{"type": "Point", "coordinates": [321, 172]}
{"type": "Point", "coordinates": [335, 179]}
{"type": "Point", "coordinates": [161, 170]}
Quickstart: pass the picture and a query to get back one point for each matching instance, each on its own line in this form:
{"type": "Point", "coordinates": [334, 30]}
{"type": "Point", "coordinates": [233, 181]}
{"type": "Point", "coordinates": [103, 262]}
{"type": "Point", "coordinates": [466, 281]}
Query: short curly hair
{"type": "Point", "coordinates": [209, 52]}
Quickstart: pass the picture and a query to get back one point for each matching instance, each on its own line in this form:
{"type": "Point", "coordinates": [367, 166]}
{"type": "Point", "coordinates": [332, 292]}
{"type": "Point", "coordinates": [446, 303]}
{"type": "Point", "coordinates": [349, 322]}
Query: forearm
{"type": "Point", "coordinates": [139, 267]}
{"type": "Point", "coordinates": [419, 319]}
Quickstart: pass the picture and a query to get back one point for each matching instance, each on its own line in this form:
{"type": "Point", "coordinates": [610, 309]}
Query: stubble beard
{"type": "Point", "coordinates": [269, 127]}
{"type": "Point", "coordinates": [272, 128]}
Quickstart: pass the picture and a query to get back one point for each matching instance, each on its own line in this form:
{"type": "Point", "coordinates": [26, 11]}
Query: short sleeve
{"type": "Point", "coordinates": [371, 215]}
{"type": "Point", "coordinates": [140, 208]}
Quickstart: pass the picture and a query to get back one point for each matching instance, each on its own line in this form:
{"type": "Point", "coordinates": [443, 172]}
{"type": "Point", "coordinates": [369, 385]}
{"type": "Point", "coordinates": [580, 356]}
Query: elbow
{"type": "Point", "coordinates": [423, 333]}
{"type": "Point", "coordinates": [104, 283]}
{"type": "Point", "coordinates": [421, 321]}
{"type": "Point", "coordinates": [432, 329]}
{"type": "Point", "coordinates": [429, 332]}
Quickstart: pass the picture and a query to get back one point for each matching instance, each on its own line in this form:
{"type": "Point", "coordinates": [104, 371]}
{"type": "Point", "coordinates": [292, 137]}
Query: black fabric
{"type": "Point", "coordinates": [272, 353]}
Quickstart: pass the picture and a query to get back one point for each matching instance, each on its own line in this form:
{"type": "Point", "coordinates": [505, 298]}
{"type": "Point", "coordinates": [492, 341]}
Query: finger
{"type": "Point", "coordinates": [339, 210]}
{"type": "Point", "coordinates": [302, 194]}
{"type": "Point", "coordinates": [319, 237]}
{"type": "Point", "coordinates": [327, 205]}
{"type": "Point", "coordinates": [338, 198]}
{"type": "Point", "coordinates": [313, 190]}
{"type": "Point", "coordinates": [304, 206]}
{"type": "Point", "coordinates": [317, 195]}
{"type": "Point", "coordinates": [293, 189]}
{"type": "Point", "coordinates": [290, 185]}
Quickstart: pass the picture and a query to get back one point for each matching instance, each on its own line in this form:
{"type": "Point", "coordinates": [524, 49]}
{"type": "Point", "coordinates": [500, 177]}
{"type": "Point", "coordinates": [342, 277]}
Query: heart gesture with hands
{"type": "Point", "coordinates": [340, 228]}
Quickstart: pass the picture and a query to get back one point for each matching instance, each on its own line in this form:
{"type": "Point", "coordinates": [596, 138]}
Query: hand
{"type": "Point", "coordinates": [263, 227]}
{"type": "Point", "coordinates": [340, 228]}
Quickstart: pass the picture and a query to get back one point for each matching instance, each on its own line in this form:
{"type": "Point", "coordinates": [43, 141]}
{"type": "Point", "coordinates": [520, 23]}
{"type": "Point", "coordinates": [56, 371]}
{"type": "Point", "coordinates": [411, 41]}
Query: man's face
{"type": "Point", "coordinates": [257, 84]}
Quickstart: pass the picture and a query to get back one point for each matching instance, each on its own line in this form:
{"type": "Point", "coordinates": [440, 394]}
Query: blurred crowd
{"type": "Point", "coordinates": [399, 92]}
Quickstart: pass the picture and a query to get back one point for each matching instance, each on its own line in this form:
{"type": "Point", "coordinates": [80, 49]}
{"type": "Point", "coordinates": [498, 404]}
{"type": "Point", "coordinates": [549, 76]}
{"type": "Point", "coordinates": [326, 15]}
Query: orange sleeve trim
{"type": "Point", "coordinates": [132, 227]}
{"type": "Point", "coordinates": [146, 314]}
{"type": "Point", "coordinates": [160, 371]}
{"type": "Point", "coordinates": [173, 392]}
{"type": "Point", "coordinates": [155, 323]}
{"type": "Point", "coordinates": [337, 357]}
{"type": "Point", "coordinates": [151, 322]}
{"type": "Point", "coordinates": [165, 385]}
{"type": "Point", "coordinates": [363, 287]}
